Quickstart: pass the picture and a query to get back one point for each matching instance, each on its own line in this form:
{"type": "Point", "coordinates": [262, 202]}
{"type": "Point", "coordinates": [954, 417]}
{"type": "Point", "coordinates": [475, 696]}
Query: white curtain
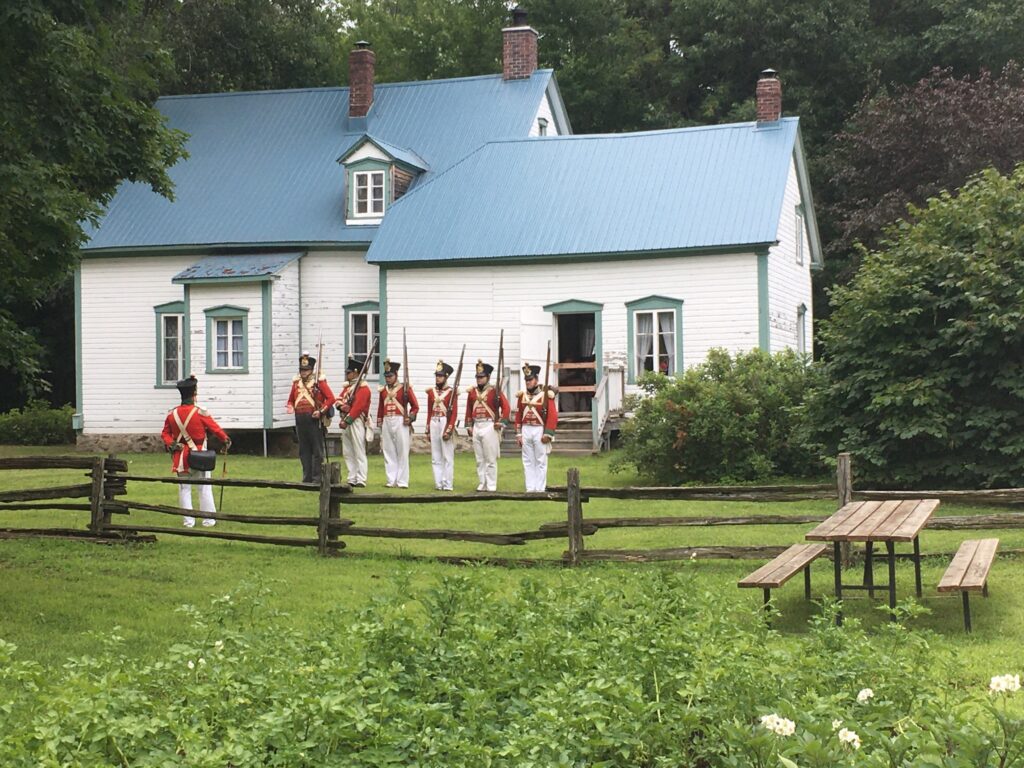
{"type": "Point", "coordinates": [666, 327]}
{"type": "Point", "coordinates": [644, 339]}
{"type": "Point", "coordinates": [589, 341]}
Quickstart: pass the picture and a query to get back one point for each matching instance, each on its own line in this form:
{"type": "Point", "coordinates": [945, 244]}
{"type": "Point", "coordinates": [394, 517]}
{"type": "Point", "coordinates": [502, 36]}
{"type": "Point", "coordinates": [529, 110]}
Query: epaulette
{"type": "Point", "coordinates": [296, 378]}
{"type": "Point", "coordinates": [322, 378]}
{"type": "Point", "coordinates": [520, 393]}
{"type": "Point", "coordinates": [551, 394]}
{"type": "Point", "coordinates": [203, 412]}
{"type": "Point", "coordinates": [469, 389]}
{"type": "Point", "coordinates": [382, 389]}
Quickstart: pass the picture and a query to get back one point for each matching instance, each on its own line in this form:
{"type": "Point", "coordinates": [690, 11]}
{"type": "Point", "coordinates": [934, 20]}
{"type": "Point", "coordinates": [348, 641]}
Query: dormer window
{"type": "Point", "coordinates": [369, 194]}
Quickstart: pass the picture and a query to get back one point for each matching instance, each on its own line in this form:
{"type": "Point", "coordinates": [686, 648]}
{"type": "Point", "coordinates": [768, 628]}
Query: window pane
{"type": "Point", "coordinates": [171, 348]}
{"type": "Point", "coordinates": [376, 335]}
{"type": "Point", "coordinates": [666, 342]}
{"type": "Point", "coordinates": [644, 341]}
{"type": "Point", "coordinates": [222, 343]}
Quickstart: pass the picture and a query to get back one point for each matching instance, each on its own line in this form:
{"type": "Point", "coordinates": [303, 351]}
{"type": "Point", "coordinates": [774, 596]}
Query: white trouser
{"type": "Point", "coordinates": [535, 458]}
{"type": "Point", "coordinates": [442, 454]}
{"type": "Point", "coordinates": [394, 444]}
{"type": "Point", "coordinates": [205, 495]}
{"type": "Point", "coordinates": [353, 446]}
{"type": "Point", "coordinates": [487, 448]}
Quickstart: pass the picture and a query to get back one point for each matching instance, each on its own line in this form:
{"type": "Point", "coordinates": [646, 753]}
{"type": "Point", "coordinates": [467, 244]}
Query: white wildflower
{"type": "Point", "coordinates": [219, 645]}
{"type": "Point", "coordinates": [778, 725]}
{"type": "Point", "coordinates": [191, 664]}
{"type": "Point", "coordinates": [848, 737]}
{"type": "Point", "coordinates": [837, 724]}
{"type": "Point", "coordinates": [202, 661]}
{"type": "Point", "coordinates": [864, 695]}
{"type": "Point", "coordinates": [1004, 684]}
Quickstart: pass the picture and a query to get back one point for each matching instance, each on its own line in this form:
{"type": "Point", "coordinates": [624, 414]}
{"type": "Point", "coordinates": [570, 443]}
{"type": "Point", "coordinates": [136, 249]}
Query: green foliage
{"type": "Point", "coordinates": [925, 351]}
{"type": "Point", "coordinates": [642, 669]}
{"type": "Point", "coordinates": [37, 424]}
{"type": "Point", "coordinates": [727, 420]}
{"type": "Point", "coordinates": [75, 120]}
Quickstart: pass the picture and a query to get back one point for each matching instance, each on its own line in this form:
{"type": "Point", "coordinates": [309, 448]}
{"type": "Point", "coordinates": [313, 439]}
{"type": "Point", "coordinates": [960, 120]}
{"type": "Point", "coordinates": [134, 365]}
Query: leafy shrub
{"type": "Point", "coordinates": [728, 419]}
{"type": "Point", "coordinates": [37, 424]}
{"type": "Point", "coordinates": [637, 670]}
{"type": "Point", "coordinates": [924, 352]}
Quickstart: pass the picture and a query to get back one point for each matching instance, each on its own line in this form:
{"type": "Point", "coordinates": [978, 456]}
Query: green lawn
{"type": "Point", "coordinates": [59, 597]}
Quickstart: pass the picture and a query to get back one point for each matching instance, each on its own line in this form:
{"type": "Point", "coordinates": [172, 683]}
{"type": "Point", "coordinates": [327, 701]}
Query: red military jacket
{"type": "Point", "coordinates": [306, 399]}
{"type": "Point", "coordinates": [437, 406]}
{"type": "Point", "coordinates": [197, 423]}
{"type": "Point", "coordinates": [485, 405]}
{"type": "Point", "coordinates": [530, 410]}
{"type": "Point", "coordinates": [392, 403]}
{"type": "Point", "coordinates": [354, 405]}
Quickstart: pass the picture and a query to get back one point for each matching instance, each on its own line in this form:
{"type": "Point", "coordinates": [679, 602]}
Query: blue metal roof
{"type": "Point", "coordinates": [249, 267]}
{"type": "Point", "coordinates": [401, 154]}
{"type": "Point", "coordinates": [263, 165]}
{"type": "Point", "coordinates": [691, 188]}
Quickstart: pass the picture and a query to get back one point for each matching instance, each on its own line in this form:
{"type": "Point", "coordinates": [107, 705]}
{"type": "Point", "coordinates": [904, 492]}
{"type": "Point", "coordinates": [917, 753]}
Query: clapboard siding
{"type": "Point", "coordinates": [284, 340]}
{"type": "Point", "coordinates": [442, 308]}
{"type": "Point", "coordinates": [119, 345]}
{"type": "Point", "coordinates": [234, 399]}
{"type": "Point", "coordinates": [329, 281]}
{"type": "Point", "coordinates": [544, 112]}
{"type": "Point", "coordinates": [789, 283]}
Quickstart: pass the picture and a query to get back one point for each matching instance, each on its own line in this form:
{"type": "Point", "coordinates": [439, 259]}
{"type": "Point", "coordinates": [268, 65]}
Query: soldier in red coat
{"type": "Point", "coordinates": [442, 410]}
{"type": "Point", "coordinates": [487, 412]}
{"type": "Point", "coordinates": [185, 430]}
{"type": "Point", "coordinates": [354, 406]}
{"type": "Point", "coordinates": [536, 422]}
{"type": "Point", "coordinates": [396, 411]}
{"type": "Point", "coordinates": [310, 400]}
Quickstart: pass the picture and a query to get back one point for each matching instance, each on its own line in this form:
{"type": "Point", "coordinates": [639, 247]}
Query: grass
{"type": "Point", "coordinates": [59, 597]}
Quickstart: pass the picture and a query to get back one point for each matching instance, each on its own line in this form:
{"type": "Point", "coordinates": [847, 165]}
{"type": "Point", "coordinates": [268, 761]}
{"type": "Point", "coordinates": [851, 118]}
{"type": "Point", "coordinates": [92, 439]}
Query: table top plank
{"type": "Point", "coordinates": [899, 512]}
{"type": "Point", "coordinates": [825, 528]}
{"type": "Point", "coordinates": [844, 522]}
{"type": "Point", "coordinates": [977, 571]}
{"type": "Point", "coordinates": [865, 529]}
{"type": "Point", "coordinates": [912, 526]}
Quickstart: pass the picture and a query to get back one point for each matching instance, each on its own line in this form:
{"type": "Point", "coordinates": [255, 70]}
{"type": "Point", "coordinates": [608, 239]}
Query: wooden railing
{"type": "Point", "coordinates": [608, 399]}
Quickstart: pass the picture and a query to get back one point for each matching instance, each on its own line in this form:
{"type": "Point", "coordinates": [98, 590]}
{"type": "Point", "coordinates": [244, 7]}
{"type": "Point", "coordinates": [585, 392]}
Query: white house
{"type": "Point", "coordinates": [451, 210]}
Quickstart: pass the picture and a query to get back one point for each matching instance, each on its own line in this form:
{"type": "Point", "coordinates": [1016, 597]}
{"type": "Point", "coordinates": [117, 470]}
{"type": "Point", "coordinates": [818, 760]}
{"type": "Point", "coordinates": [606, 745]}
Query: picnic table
{"type": "Point", "coordinates": [888, 522]}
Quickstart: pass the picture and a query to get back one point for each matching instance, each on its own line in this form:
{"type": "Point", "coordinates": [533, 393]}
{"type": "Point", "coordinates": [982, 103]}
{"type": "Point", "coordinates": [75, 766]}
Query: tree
{"type": "Point", "coordinates": [75, 120]}
{"type": "Point", "coordinates": [906, 144]}
{"type": "Point", "coordinates": [924, 374]}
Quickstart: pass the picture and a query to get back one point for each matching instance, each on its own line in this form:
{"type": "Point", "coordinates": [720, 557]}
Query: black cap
{"type": "Point", "coordinates": [443, 369]}
{"type": "Point", "coordinates": [305, 361]}
{"type": "Point", "coordinates": [187, 387]}
{"type": "Point", "coordinates": [530, 371]}
{"type": "Point", "coordinates": [354, 364]}
{"type": "Point", "coordinates": [390, 367]}
{"type": "Point", "coordinates": [483, 369]}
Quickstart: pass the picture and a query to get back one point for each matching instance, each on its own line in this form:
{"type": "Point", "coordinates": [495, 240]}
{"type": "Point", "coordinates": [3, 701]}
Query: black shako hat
{"type": "Point", "coordinates": [187, 387]}
{"type": "Point", "coordinates": [530, 371]}
{"type": "Point", "coordinates": [443, 369]}
{"type": "Point", "coordinates": [306, 362]}
{"type": "Point", "coordinates": [355, 364]}
{"type": "Point", "coordinates": [390, 367]}
{"type": "Point", "coordinates": [483, 369]}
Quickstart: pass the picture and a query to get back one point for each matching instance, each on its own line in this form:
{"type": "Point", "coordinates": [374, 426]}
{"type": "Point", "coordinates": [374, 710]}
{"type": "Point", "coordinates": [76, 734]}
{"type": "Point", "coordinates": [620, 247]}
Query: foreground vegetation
{"type": "Point", "coordinates": [379, 655]}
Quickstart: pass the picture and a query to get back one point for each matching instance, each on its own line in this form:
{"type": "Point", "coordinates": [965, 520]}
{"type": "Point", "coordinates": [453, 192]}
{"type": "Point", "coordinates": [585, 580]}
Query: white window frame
{"type": "Point", "coordinates": [372, 318]}
{"type": "Point", "coordinates": [801, 329]}
{"type": "Point", "coordinates": [229, 325]}
{"type": "Point", "coordinates": [542, 126]}
{"type": "Point", "coordinates": [656, 351]}
{"type": "Point", "coordinates": [799, 238]}
{"type": "Point", "coordinates": [180, 357]}
{"type": "Point", "coordinates": [365, 180]}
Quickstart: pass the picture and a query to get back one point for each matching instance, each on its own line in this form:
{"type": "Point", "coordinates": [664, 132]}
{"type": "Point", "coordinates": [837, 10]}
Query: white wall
{"type": "Point", "coordinates": [235, 400]}
{"type": "Point", "coordinates": [442, 308]}
{"type": "Point", "coordinates": [789, 283]}
{"type": "Point", "coordinates": [284, 299]}
{"type": "Point", "coordinates": [544, 112]}
{"type": "Point", "coordinates": [119, 344]}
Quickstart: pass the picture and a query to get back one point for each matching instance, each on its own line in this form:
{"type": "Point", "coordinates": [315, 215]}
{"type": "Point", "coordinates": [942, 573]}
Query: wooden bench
{"type": "Point", "coordinates": [969, 572]}
{"type": "Point", "coordinates": [784, 567]}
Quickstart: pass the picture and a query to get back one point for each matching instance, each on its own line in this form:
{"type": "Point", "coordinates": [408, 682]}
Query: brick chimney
{"type": "Point", "coordinates": [519, 48]}
{"type": "Point", "coordinates": [769, 97]}
{"type": "Point", "coordinates": [361, 63]}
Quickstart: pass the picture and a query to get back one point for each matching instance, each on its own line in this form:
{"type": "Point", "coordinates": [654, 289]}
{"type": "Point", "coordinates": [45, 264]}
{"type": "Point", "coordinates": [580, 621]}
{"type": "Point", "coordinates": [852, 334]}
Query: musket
{"type": "Point", "coordinates": [317, 394]}
{"type": "Point", "coordinates": [497, 381]}
{"type": "Point", "coordinates": [547, 372]}
{"type": "Point", "coordinates": [405, 381]}
{"type": "Point", "coordinates": [455, 391]}
{"type": "Point", "coordinates": [362, 374]}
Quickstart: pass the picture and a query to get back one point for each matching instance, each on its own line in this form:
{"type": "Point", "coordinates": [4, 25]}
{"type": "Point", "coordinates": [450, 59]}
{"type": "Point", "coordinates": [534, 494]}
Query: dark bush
{"type": "Point", "coordinates": [37, 424]}
{"type": "Point", "coordinates": [727, 420]}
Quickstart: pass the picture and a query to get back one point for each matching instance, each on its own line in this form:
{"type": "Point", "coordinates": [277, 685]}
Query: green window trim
{"type": "Point", "coordinates": [170, 308]}
{"type": "Point", "coordinates": [364, 307]}
{"type": "Point", "coordinates": [648, 304]}
{"type": "Point", "coordinates": [581, 307]}
{"type": "Point", "coordinates": [226, 312]}
{"type": "Point", "coordinates": [367, 165]}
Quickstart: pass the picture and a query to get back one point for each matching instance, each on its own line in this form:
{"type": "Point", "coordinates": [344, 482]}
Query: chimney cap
{"type": "Point", "coordinates": [362, 45]}
{"type": "Point", "coordinates": [519, 16]}
{"type": "Point", "coordinates": [769, 74]}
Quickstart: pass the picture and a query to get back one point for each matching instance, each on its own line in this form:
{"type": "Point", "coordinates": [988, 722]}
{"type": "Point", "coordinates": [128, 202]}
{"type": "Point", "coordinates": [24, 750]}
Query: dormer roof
{"type": "Point", "coordinates": [398, 154]}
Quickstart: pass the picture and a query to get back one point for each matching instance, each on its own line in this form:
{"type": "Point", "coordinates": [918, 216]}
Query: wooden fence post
{"type": "Point", "coordinates": [324, 521]}
{"type": "Point", "coordinates": [334, 509]}
{"type": "Point", "coordinates": [96, 510]}
{"type": "Point", "coordinates": [575, 515]}
{"type": "Point", "coordinates": [844, 494]}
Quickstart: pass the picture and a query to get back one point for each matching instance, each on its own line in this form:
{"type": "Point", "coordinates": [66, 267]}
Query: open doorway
{"type": "Point", "coordinates": [576, 368]}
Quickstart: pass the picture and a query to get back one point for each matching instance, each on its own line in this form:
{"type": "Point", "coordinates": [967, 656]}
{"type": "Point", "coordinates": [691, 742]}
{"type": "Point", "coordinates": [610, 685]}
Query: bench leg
{"type": "Point", "coordinates": [837, 563]}
{"type": "Point", "coordinates": [917, 564]}
{"type": "Point", "coordinates": [807, 582]}
{"type": "Point", "coordinates": [890, 550]}
{"type": "Point", "coordinates": [967, 610]}
{"type": "Point", "coordinates": [984, 589]}
{"type": "Point", "coordinates": [869, 567]}
{"type": "Point", "coordinates": [767, 606]}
